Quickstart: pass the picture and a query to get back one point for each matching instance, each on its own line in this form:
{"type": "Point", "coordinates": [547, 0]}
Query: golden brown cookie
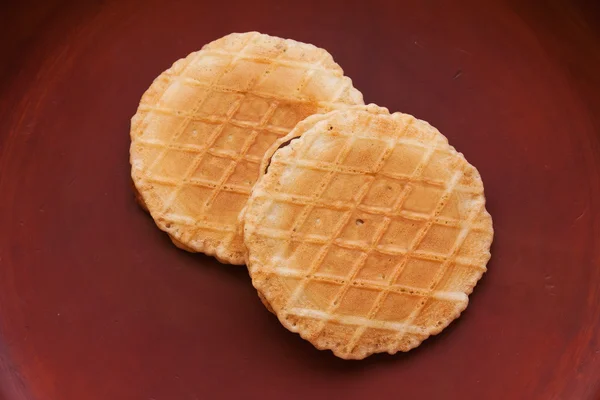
{"type": "Point", "coordinates": [203, 126]}
{"type": "Point", "coordinates": [368, 232]}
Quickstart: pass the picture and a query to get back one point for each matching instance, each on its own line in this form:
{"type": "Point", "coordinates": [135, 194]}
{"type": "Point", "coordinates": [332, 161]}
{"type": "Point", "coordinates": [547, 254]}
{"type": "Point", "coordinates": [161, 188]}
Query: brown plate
{"type": "Point", "coordinates": [96, 303]}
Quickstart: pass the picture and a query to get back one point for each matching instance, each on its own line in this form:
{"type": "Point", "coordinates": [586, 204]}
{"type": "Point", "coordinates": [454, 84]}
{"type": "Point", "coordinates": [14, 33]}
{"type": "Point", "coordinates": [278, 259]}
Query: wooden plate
{"type": "Point", "coordinates": [95, 302]}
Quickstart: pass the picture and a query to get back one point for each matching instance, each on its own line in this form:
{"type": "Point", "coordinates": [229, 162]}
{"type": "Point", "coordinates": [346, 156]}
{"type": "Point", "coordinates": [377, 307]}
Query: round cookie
{"type": "Point", "coordinates": [367, 233]}
{"type": "Point", "coordinates": [203, 126]}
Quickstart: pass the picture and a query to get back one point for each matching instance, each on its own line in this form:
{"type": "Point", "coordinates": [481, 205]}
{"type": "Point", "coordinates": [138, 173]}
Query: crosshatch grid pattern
{"type": "Point", "coordinates": [202, 128]}
{"type": "Point", "coordinates": [362, 305]}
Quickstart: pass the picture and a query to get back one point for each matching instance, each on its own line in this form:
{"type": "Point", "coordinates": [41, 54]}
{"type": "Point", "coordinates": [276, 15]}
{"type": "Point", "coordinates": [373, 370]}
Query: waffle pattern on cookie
{"type": "Point", "coordinates": [202, 128]}
{"type": "Point", "coordinates": [367, 233]}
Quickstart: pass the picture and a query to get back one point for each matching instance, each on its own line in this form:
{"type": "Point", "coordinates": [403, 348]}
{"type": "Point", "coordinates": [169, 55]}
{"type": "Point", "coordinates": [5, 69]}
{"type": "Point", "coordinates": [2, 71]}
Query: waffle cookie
{"type": "Point", "coordinates": [203, 126]}
{"type": "Point", "coordinates": [367, 233]}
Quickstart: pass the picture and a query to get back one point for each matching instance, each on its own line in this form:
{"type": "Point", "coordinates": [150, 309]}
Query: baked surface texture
{"type": "Point", "coordinates": [203, 126]}
{"type": "Point", "coordinates": [368, 232]}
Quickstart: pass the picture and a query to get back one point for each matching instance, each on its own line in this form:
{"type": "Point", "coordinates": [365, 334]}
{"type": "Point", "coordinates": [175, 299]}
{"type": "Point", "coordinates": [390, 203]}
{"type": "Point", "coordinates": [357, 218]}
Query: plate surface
{"type": "Point", "coordinates": [95, 302]}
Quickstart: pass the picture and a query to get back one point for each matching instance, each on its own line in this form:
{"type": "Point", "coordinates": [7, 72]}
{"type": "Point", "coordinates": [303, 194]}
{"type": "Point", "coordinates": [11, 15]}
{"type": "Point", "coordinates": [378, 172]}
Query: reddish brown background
{"type": "Point", "coordinates": [95, 303]}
